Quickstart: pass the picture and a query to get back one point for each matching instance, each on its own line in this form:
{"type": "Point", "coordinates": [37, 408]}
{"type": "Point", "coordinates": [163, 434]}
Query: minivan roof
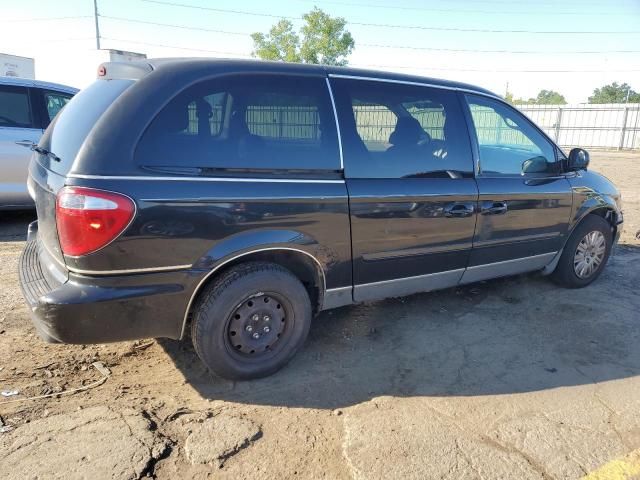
{"type": "Point", "coordinates": [28, 82]}
{"type": "Point", "coordinates": [147, 85]}
{"type": "Point", "coordinates": [186, 63]}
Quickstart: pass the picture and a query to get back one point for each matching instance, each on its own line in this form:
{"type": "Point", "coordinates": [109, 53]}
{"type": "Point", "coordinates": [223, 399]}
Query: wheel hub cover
{"type": "Point", "coordinates": [257, 324]}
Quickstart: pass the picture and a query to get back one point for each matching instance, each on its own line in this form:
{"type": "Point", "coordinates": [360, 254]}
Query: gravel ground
{"type": "Point", "coordinates": [512, 378]}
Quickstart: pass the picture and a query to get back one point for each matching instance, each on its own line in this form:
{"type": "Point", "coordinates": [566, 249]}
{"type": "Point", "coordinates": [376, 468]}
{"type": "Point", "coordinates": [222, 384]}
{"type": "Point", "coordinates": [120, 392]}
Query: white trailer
{"type": "Point", "coordinates": [15, 66]}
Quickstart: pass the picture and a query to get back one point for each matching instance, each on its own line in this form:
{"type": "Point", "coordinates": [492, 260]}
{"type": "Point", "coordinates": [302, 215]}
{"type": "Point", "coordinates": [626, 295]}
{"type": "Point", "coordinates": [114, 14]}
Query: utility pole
{"type": "Point", "coordinates": [95, 16]}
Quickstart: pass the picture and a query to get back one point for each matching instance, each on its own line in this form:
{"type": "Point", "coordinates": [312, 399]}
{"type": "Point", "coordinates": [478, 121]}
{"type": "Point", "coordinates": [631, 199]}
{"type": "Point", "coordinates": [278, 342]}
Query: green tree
{"type": "Point", "coordinates": [508, 96]}
{"type": "Point", "coordinates": [545, 97]}
{"type": "Point", "coordinates": [549, 97]}
{"type": "Point", "coordinates": [325, 40]}
{"type": "Point", "coordinates": [614, 93]}
{"type": "Point", "coordinates": [522, 101]}
{"type": "Point", "coordinates": [281, 43]}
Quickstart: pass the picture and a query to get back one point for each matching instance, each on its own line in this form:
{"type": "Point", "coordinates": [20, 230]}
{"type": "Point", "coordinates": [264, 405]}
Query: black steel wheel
{"type": "Point", "coordinates": [251, 321]}
{"type": "Point", "coordinates": [256, 326]}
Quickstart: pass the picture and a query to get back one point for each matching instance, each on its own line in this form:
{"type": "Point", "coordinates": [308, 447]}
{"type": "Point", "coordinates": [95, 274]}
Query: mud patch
{"type": "Point", "coordinates": [216, 439]}
{"type": "Point", "coordinates": [93, 443]}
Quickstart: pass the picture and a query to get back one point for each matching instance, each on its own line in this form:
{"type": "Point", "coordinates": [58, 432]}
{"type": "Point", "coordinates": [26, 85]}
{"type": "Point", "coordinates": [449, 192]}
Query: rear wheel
{"type": "Point", "coordinates": [585, 253]}
{"type": "Point", "coordinates": [251, 321]}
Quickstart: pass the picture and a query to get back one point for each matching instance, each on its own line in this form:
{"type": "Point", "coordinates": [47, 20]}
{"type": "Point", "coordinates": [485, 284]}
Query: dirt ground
{"type": "Point", "coordinates": [512, 378]}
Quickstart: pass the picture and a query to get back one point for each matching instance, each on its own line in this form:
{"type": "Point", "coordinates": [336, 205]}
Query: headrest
{"type": "Point", "coordinates": [407, 132]}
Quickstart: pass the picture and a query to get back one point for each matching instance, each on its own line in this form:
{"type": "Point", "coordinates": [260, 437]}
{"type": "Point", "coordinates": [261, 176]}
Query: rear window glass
{"type": "Point", "coordinates": [253, 122]}
{"type": "Point", "coordinates": [68, 131]}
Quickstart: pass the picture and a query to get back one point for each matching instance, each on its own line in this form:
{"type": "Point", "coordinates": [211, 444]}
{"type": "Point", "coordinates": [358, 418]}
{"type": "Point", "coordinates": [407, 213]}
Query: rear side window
{"type": "Point", "coordinates": [393, 130]}
{"type": "Point", "coordinates": [14, 107]}
{"type": "Point", "coordinates": [54, 101]}
{"type": "Point", "coordinates": [374, 124]}
{"type": "Point", "coordinates": [250, 122]}
{"type": "Point", "coordinates": [68, 131]}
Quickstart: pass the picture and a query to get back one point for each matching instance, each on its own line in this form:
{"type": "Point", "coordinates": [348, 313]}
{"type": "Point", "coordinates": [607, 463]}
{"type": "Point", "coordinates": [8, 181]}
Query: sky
{"type": "Point", "coordinates": [571, 46]}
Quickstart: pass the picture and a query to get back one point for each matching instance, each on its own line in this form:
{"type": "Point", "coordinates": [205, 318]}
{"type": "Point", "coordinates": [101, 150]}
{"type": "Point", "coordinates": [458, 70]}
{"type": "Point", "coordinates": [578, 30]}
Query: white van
{"type": "Point", "coordinates": [26, 109]}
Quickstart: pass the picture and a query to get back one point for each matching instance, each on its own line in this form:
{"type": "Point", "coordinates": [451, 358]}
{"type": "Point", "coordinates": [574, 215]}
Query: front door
{"type": "Point", "coordinates": [409, 172]}
{"type": "Point", "coordinates": [17, 132]}
{"type": "Point", "coordinates": [525, 201]}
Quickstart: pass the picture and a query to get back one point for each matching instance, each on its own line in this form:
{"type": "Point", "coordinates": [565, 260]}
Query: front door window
{"type": "Point", "coordinates": [508, 143]}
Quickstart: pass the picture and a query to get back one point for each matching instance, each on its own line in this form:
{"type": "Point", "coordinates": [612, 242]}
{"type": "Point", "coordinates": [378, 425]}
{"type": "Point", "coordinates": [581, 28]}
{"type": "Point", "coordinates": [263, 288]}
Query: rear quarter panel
{"type": "Point", "coordinates": [199, 224]}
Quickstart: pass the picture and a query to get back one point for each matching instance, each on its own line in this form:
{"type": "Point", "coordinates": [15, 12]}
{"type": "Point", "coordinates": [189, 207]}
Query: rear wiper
{"type": "Point", "coordinates": [42, 151]}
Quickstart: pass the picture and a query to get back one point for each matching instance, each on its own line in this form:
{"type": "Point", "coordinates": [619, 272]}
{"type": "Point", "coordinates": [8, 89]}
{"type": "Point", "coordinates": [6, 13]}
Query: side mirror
{"type": "Point", "coordinates": [535, 165]}
{"type": "Point", "coordinates": [578, 159]}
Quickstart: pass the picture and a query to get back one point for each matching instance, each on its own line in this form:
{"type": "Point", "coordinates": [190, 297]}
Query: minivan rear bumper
{"type": "Point", "coordinates": [86, 310]}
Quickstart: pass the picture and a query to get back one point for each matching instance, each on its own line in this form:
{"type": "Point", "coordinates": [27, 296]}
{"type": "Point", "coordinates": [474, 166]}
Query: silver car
{"type": "Point", "coordinates": [26, 109]}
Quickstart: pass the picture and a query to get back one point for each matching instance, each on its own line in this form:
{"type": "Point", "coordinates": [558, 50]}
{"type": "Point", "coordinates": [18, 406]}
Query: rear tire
{"type": "Point", "coordinates": [585, 254]}
{"type": "Point", "coordinates": [251, 321]}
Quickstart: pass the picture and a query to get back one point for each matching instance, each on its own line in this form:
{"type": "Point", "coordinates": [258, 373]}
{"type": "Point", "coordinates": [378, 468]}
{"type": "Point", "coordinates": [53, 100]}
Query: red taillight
{"type": "Point", "coordinates": [89, 219]}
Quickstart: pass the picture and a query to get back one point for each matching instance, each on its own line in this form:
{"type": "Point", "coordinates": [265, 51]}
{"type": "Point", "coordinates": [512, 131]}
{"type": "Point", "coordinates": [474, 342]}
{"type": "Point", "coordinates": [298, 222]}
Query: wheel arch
{"type": "Point", "coordinates": [588, 201]}
{"type": "Point", "coordinates": [607, 212]}
{"type": "Point", "coordinates": [304, 265]}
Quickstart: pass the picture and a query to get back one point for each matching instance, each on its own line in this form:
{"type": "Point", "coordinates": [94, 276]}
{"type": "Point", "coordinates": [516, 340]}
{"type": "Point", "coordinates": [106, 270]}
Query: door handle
{"type": "Point", "coordinates": [459, 210]}
{"type": "Point", "coordinates": [25, 143]}
{"type": "Point", "coordinates": [493, 208]}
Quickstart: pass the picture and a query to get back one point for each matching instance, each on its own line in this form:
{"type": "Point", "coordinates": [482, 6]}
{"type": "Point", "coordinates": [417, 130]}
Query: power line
{"type": "Point", "coordinates": [546, 52]}
{"type": "Point", "coordinates": [462, 10]}
{"type": "Point", "coordinates": [481, 70]}
{"type": "Point", "coordinates": [507, 2]}
{"type": "Point", "coordinates": [185, 27]}
{"type": "Point", "coordinates": [388, 25]}
{"type": "Point", "coordinates": [46, 19]}
{"type": "Point", "coordinates": [47, 40]}
{"type": "Point", "coordinates": [222, 10]}
{"type": "Point", "coordinates": [371, 45]}
{"type": "Point", "coordinates": [397, 67]}
{"type": "Point", "coordinates": [236, 54]}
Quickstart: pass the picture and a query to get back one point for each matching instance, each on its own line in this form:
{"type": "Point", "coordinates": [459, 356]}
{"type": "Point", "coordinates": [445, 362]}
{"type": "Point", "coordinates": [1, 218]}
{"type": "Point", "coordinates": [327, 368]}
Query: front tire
{"type": "Point", "coordinates": [251, 321]}
{"type": "Point", "coordinates": [585, 254]}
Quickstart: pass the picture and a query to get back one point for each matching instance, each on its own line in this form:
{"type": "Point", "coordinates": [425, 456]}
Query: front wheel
{"type": "Point", "coordinates": [585, 254]}
{"type": "Point", "coordinates": [251, 321]}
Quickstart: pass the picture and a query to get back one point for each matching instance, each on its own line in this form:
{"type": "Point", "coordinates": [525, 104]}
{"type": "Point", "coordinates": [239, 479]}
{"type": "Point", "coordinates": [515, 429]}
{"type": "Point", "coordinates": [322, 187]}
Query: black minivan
{"type": "Point", "coordinates": [240, 198]}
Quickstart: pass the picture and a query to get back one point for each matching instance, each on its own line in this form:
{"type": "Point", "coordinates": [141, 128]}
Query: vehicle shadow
{"type": "Point", "coordinates": [509, 335]}
{"type": "Point", "coordinates": [13, 224]}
